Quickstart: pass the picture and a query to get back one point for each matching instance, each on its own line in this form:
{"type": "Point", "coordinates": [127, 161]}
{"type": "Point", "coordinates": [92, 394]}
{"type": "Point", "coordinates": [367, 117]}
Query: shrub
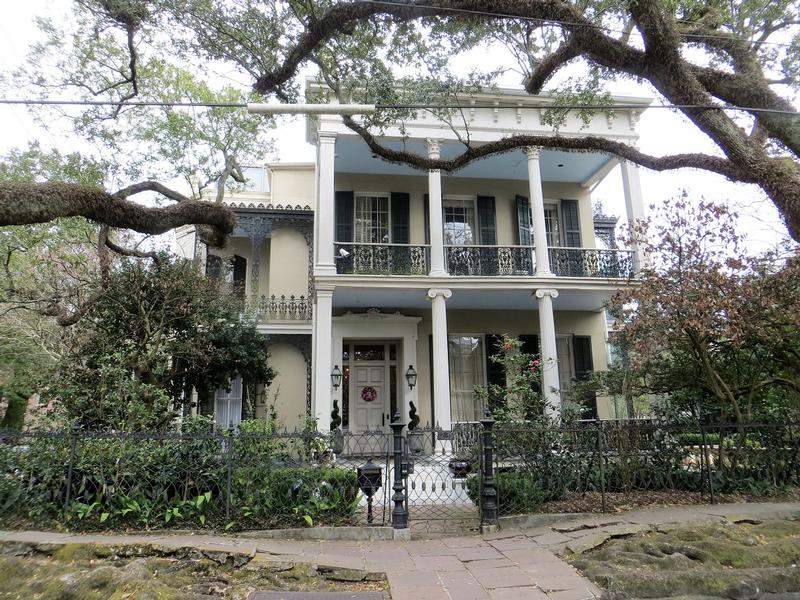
{"type": "Point", "coordinates": [517, 492]}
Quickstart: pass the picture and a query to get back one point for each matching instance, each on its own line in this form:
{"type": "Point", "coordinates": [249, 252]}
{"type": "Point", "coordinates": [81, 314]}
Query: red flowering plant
{"type": "Point", "coordinates": [520, 399]}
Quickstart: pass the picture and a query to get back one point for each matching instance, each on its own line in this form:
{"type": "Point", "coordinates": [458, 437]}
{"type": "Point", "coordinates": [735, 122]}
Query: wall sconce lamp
{"type": "Point", "coordinates": [411, 377]}
{"type": "Point", "coordinates": [336, 377]}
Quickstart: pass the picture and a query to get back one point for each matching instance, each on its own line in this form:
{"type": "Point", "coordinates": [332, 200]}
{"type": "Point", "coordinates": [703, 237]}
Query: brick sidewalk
{"type": "Point", "coordinates": [511, 564]}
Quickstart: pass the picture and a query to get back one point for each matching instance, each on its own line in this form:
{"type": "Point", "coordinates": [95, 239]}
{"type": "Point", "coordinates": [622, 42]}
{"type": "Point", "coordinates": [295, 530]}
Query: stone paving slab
{"type": "Point", "coordinates": [506, 565]}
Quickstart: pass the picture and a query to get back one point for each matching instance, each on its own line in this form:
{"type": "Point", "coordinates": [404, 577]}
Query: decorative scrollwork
{"type": "Point", "coordinates": [581, 262]}
{"type": "Point", "coordinates": [381, 259]}
{"type": "Point", "coordinates": [489, 261]}
{"type": "Point", "coordinates": [293, 308]}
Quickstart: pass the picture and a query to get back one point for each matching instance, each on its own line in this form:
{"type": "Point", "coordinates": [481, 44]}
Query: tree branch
{"type": "Point", "coordinates": [26, 203]}
{"type": "Point", "coordinates": [715, 164]}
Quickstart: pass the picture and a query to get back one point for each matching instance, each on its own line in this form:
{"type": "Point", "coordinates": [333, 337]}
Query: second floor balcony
{"type": "Point", "coordinates": [481, 260]}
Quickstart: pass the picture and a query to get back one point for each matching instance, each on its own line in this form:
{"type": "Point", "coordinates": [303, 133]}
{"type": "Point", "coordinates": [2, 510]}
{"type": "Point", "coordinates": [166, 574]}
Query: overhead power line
{"type": "Point", "coordinates": [366, 108]}
{"type": "Point", "coordinates": [482, 13]}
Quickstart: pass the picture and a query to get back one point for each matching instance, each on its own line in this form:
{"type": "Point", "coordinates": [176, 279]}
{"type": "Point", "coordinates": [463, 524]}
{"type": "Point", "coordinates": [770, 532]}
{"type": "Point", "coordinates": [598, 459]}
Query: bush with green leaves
{"type": "Point", "coordinates": [172, 479]}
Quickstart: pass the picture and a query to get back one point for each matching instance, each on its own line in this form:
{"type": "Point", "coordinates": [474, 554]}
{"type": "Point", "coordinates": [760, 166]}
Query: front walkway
{"type": "Point", "coordinates": [511, 564]}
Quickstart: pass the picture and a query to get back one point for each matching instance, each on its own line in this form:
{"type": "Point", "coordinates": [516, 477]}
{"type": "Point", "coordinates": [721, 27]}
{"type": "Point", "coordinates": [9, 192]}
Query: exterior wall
{"type": "Point", "coordinates": [292, 184]}
{"type": "Point", "coordinates": [287, 393]}
{"type": "Point", "coordinates": [242, 247]}
{"type": "Point", "coordinates": [513, 323]}
{"type": "Point", "coordinates": [504, 192]}
{"type": "Point", "coordinates": [288, 262]}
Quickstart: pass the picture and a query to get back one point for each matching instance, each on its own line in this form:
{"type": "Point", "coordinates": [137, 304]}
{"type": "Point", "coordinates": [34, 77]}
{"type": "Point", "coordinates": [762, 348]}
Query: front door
{"type": "Point", "coordinates": [369, 398]}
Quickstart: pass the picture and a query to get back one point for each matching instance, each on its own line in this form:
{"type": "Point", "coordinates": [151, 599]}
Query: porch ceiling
{"type": "Point", "coordinates": [466, 299]}
{"type": "Point", "coordinates": [354, 156]}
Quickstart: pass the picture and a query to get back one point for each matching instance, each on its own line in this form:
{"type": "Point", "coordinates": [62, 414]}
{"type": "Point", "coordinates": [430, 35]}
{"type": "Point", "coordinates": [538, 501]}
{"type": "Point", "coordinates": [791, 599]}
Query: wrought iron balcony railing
{"type": "Point", "coordinates": [381, 259]}
{"type": "Point", "coordinates": [489, 261]}
{"type": "Point", "coordinates": [591, 262]}
{"type": "Point", "coordinates": [281, 308]}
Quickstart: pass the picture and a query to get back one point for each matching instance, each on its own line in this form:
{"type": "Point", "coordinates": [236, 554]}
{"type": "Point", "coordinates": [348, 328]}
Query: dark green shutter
{"type": "Point", "coordinates": [495, 373]}
{"type": "Point", "coordinates": [582, 349]}
{"type": "Point", "coordinates": [572, 226]}
{"type": "Point", "coordinates": [426, 206]}
{"type": "Point", "coordinates": [400, 217]}
{"type": "Point", "coordinates": [344, 216]}
{"type": "Point", "coordinates": [523, 221]}
{"type": "Point", "coordinates": [530, 344]}
{"type": "Point", "coordinates": [486, 220]}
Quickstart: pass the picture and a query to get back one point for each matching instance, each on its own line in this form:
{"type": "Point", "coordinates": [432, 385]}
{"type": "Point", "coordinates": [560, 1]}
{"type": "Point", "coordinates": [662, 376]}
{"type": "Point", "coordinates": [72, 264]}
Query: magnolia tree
{"type": "Point", "coordinates": [716, 331]}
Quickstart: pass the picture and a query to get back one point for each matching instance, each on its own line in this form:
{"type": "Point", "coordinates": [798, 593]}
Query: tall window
{"type": "Point", "coordinates": [459, 222]}
{"type": "Point", "coordinates": [372, 219]}
{"type": "Point", "coordinates": [466, 355]}
{"type": "Point", "coordinates": [551, 225]}
{"type": "Point", "coordinates": [566, 369]}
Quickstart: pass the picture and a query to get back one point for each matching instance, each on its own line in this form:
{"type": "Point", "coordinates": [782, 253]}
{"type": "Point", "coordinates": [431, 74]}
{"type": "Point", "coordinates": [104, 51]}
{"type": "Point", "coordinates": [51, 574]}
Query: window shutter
{"type": "Point", "coordinates": [214, 266]}
{"type": "Point", "coordinates": [572, 226]}
{"type": "Point", "coordinates": [400, 217]}
{"type": "Point", "coordinates": [486, 220]}
{"type": "Point", "coordinates": [239, 275]}
{"type": "Point", "coordinates": [344, 216]}
{"type": "Point", "coordinates": [530, 344]}
{"type": "Point", "coordinates": [426, 204]}
{"type": "Point", "coordinates": [582, 349]}
{"type": "Point", "coordinates": [523, 221]}
{"type": "Point", "coordinates": [495, 373]}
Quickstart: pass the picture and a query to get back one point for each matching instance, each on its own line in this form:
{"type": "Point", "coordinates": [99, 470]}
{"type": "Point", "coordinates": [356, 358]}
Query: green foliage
{"type": "Point", "coordinates": [159, 331]}
{"type": "Point", "coordinates": [148, 480]}
{"type": "Point", "coordinates": [516, 492]}
{"type": "Point", "coordinates": [413, 417]}
{"type": "Point", "coordinates": [336, 419]}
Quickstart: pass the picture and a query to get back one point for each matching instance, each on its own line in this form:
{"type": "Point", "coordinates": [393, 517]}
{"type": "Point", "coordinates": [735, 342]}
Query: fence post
{"type": "Point", "coordinates": [229, 458]}
{"type": "Point", "coordinates": [601, 451]}
{"type": "Point", "coordinates": [489, 517]}
{"type": "Point", "coordinates": [73, 442]}
{"type": "Point", "coordinates": [704, 442]}
{"type": "Point", "coordinates": [399, 514]}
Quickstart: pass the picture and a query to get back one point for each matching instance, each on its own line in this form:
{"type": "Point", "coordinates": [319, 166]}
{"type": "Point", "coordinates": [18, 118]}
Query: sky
{"type": "Point", "coordinates": [661, 132]}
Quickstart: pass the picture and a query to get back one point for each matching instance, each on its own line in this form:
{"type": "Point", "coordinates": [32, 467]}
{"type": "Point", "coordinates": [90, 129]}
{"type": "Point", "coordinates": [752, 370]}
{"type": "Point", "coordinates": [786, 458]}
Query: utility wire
{"type": "Point", "coordinates": [622, 105]}
{"type": "Point", "coordinates": [545, 21]}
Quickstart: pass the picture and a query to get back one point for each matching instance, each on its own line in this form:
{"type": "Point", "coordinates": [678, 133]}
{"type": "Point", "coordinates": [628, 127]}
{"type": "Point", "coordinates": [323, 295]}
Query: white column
{"type": "Point", "coordinates": [551, 383]}
{"type": "Point", "coordinates": [435, 213]}
{"type": "Point", "coordinates": [441, 366]}
{"type": "Point", "coordinates": [324, 210]}
{"type": "Point", "coordinates": [537, 212]}
{"type": "Point", "coordinates": [323, 358]}
{"type": "Point", "coordinates": [634, 206]}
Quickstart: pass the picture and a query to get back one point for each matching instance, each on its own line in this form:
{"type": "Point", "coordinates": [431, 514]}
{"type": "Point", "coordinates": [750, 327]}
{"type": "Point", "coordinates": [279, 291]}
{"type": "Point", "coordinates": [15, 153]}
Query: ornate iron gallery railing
{"type": "Point", "coordinates": [590, 262]}
{"type": "Point", "coordinates": [281, 308]}
{"type": "Point", "coordinates": [479, 261]}
{"type": "Point", "coordinates": [381, 259]}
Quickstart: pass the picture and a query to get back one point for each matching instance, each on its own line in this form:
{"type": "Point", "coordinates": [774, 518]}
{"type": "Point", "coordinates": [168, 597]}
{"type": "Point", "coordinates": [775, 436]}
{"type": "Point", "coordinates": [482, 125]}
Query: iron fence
{"type": "Point", "coordinates": [247, 480]}
{"type": "Point", "coordinates": [433, 480]}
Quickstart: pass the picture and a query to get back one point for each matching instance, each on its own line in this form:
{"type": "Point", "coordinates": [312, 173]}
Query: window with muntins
{"type": "Point", "coordinates": [372, 219]}
{"type": "Point", "coordinates": [467, 361]}
{"type": "Point", "coordinates": [459, 222]}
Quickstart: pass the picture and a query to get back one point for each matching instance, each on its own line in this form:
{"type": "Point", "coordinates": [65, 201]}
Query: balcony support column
{"type": "Point", "coordinates": [551, 383]}
{"type": "Point", "coordinates": [634, 207]}
{"type": "Point", "coordinates": [324, 210]}
{"type": "Point", "coordinates": [323, 357]}
{"type": "Point", "coordinates": [256, 243]}
{"type": "Point", "coordinates": [435, 213]}
{"type": "Point", "coordinates": [441, 364]}
{"type": "Point", "coordinates": [537, 213]}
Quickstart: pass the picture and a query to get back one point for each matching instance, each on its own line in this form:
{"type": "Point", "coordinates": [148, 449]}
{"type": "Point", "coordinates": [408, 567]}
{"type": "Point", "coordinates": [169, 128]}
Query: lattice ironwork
{"type": "Point", "coordinates": [382, 259]}
{"type": "Point", "coordinates": [441, 483]}
{"type": "Point", "coordinates": [281, 308]}
{"type": "Point", "coordinates": [489, 261]}
{"type": "Point", "coordinates": [584, 262]}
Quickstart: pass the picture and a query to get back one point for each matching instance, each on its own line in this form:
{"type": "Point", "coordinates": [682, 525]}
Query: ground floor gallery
{"type": "Point", "coordinates": [383, 363]}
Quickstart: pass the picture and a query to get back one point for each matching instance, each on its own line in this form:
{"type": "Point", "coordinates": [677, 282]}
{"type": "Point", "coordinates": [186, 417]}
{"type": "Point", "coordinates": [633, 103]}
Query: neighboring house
{"type": "Point", "coordinates": [424, 271]}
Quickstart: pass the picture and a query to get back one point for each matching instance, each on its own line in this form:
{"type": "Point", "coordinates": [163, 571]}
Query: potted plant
{"type": "Point", "coordinates": [337, 437]}
{"type": "Point", "coordinates": [414, 437]}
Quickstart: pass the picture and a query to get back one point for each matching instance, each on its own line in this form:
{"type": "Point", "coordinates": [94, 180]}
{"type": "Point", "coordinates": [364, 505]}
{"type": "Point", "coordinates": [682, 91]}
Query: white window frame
{"type": "Point", "coordinates": [483, 374]}
{"type": "Point", "coordinates": [388, 196]}
{"type": "Point", "coordinates": [556, 204]}
{"type": "Point", "coordinates": [461, 198]}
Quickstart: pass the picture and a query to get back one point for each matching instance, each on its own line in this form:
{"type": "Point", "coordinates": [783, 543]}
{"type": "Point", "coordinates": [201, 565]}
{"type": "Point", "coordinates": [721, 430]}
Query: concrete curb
{"type": "Point", "coordinates": [541, 520]}
{"type": "Point", "coordinates": [342, 534]}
